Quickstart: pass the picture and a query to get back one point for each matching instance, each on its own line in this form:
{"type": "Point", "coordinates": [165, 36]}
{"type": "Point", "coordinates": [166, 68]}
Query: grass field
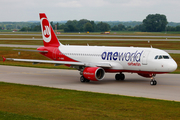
{"type": "Point", "coordinates": [21, 101]}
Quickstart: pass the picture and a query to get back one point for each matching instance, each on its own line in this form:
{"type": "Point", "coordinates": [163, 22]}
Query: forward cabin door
{"type": "Point", "coordinates": [145, 58]}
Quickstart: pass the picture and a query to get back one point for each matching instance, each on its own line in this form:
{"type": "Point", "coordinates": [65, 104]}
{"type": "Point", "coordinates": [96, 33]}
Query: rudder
{"type": "Point", "coordinates": [49, 37]}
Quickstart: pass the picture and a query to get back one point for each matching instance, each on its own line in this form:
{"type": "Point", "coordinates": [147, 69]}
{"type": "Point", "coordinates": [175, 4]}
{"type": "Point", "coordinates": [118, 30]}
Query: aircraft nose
{"type": "Point", "coordinates": [173, 66]}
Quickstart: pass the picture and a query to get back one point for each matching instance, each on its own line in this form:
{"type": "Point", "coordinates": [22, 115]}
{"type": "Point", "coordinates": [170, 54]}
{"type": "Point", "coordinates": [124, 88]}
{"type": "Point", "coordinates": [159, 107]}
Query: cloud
{"type": "Point", "coordinates": [21, 10]}
{"type": "Point", "coordinates": [81, 3]}
{"type": "Point", "coordinates": [69, 4]}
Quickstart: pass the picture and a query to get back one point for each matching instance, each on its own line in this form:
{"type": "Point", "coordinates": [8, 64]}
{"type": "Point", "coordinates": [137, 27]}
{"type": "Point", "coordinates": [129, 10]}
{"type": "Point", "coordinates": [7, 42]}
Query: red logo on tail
{"type": "Point", "coordinates": [46, 30]}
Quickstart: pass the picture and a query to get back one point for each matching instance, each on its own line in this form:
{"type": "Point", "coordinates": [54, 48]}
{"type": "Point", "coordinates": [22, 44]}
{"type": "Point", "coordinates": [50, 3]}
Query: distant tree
{"type": "Point", "coordinates": [93, 25]}
{"type": "Point", "coordinates": [103, 27]}
{"type": "Point", "coordinates": [155, 23]}
{"type": "Point", "coordinates": [71, 22]}
{"type": "Point", "coordinates": [71, 28]}
{"type": "Point", "coordinates": [139, 28]}
{"type": "Point", "coordinates": [36, 28]}
{"type": "Point", "coordinates": [82, 22]}
{"type": "Point", "coordinates": [170, 28]}
{"type": "Point", "coordinates": [66, 29]}
{"type": "Point", "coordinates": [177, 28]}
{"type": "Point", "coordinates": [25, 29]}
{"type": "Point", "coordinates": [115, 28]}
{"type": "Point", "coordinates": [62, 26]}
{"type": "Point", "coordinates": [88, 27]}
{"type": "Point", "coordinates": [57, 25]}
{"type": "Point", "coordinates": [52, 24]}
{"type": "Point", "coordinates": [121, 27]}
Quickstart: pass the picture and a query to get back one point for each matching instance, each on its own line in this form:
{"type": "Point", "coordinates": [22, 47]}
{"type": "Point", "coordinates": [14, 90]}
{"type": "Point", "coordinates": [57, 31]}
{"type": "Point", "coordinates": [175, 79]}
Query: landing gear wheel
{"type": "Point", "coordinates": [120, 76]}
{"type": "Point", "coordinates": [82, 79]}
{"type": "Point", "coordinates": [87, 80]}
{"type": "Point", "coordinates": [153, 82]}
{"type": "Point", "coordinates": [117, 76]}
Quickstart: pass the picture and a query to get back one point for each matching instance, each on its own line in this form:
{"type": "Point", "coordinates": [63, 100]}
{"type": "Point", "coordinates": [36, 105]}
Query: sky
{"type": "Point", "coordinates": [97, 10]}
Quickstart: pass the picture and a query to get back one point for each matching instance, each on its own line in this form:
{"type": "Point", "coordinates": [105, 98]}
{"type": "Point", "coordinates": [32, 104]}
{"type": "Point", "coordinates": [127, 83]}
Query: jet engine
{"type": "Point", "coordinates": [94, 73]}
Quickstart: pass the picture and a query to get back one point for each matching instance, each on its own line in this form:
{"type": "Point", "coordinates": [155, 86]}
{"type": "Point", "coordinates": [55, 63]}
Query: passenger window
{"type": "Point", "coordinates": [160, 57]}
{"type": "Point", "coordinates": [156, 57]}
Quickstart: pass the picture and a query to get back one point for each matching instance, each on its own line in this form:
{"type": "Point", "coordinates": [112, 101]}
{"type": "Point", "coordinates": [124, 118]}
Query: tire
{"type": "Point", "coordinates": [87, 80]}
{"type": "Point", "coordinates": [153, 82]}
{"type": "Point", "coordinates": [82, 79]}
{"type": "Point", "coordinates": [122, 76]}
{"type": "Point", "coordinates": [117, 76]}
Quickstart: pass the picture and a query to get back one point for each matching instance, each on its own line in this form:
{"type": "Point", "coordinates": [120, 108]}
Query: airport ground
{"type": "Point", "coordinates": [84, 105]}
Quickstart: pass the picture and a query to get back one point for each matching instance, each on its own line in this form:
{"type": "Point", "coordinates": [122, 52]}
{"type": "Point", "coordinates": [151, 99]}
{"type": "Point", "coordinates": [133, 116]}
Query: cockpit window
{"type": "Point", "coordinates": [160, 57]}
{"type": "Point", "coordinates": [165, 57]}
{"type": "Point", "coordinates": [156, 57]}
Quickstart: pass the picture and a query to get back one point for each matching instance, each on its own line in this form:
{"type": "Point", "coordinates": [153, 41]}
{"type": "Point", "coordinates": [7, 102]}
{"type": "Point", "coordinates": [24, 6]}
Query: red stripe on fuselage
{"type": "Point", "coordinates": [133, 71]}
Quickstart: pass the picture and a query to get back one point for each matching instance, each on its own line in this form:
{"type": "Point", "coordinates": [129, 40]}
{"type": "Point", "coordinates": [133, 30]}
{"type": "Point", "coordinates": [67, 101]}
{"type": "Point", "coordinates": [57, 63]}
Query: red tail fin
{"type": "Point", "coordinates": [49, 37]}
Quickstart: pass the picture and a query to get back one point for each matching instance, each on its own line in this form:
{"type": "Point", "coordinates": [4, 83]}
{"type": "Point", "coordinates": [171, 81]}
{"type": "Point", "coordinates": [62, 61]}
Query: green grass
{"type": "Point", "coordinates": [12, 116]}
{"type": "Point", "coordinates": [50, 103]}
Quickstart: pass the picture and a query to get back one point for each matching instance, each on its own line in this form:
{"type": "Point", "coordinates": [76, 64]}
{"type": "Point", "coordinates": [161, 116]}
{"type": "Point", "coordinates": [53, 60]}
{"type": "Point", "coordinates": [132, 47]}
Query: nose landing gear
{"type": "Point", "coordinates": [153, 81]}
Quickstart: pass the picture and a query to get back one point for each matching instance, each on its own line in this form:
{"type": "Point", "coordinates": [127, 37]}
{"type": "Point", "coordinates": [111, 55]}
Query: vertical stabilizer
{"type": "Point", "coordinates": [49, 37]}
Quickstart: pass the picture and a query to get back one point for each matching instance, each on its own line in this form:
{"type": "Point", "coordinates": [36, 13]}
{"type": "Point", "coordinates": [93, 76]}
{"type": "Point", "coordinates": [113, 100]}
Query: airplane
{"type": "Point", "coordinates": [94, 61]}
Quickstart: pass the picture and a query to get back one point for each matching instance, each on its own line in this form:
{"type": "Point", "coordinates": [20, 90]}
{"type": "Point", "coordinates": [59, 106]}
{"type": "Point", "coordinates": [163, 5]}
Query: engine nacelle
{"type": "Point", "coordinates": [145, 75]}
{"type": "Point", "coordinates": [94, 73]}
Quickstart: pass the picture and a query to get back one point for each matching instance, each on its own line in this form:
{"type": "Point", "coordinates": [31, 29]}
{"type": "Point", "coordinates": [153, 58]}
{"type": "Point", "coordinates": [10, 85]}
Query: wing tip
{"type": "Point", "coordinates": [4, 59]}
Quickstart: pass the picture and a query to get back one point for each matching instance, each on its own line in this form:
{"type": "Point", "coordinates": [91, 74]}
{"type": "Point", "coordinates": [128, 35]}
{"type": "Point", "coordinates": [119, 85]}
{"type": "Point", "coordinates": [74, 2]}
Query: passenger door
{"type": "Point", "coordinates": [145, 58]}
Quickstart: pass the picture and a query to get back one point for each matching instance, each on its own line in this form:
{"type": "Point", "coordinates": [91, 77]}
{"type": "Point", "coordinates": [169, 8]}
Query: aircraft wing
{"type": "Point", "coordinates": [30, 50]}
{"type": "Point", "coordinates": [59, 62]}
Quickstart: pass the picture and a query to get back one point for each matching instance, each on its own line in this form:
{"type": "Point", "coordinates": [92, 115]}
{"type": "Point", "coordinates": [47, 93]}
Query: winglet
{"type": "Point", "coordinates": [4, 58]}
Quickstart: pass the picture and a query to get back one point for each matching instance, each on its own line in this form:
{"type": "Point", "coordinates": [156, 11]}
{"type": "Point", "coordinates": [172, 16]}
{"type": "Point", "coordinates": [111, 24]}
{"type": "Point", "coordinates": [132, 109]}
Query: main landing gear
{"type": "Point", "coordinates": [120, 76]}
{"type": "Point", "coordinates": [153, 81]}
{"type": "Point", "coordinates": [83, 79]}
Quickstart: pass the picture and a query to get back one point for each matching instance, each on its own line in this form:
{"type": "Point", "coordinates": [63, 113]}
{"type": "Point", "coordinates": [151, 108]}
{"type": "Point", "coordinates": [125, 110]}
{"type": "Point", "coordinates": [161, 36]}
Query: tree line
{"type": "Point", "coordinates": [152, 23]}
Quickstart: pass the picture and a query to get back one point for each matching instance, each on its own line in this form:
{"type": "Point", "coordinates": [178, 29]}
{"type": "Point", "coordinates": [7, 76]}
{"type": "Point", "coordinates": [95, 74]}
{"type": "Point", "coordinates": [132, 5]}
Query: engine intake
{"type": "Point", "coordinates": [94, 73]}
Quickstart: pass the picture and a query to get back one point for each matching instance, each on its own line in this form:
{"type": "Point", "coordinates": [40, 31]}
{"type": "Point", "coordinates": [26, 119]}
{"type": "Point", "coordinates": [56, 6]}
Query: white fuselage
{"type": "Point", "coordinates": [131, 59]}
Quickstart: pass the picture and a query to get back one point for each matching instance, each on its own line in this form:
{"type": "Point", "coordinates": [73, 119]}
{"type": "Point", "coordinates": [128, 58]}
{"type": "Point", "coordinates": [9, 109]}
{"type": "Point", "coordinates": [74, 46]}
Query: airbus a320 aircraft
{"type": "Point", "coordinates": [94, 61]}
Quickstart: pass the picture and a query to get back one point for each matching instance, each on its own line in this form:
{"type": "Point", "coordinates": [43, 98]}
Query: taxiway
{"type": "Point", "coordinates": [168, 86]}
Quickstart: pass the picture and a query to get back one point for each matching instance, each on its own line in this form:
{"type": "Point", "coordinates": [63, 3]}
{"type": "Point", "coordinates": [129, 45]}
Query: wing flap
{"type": "Point", "coordinates": [106, 65]}
{"type": "Point", "coordinates": [46, 61]}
